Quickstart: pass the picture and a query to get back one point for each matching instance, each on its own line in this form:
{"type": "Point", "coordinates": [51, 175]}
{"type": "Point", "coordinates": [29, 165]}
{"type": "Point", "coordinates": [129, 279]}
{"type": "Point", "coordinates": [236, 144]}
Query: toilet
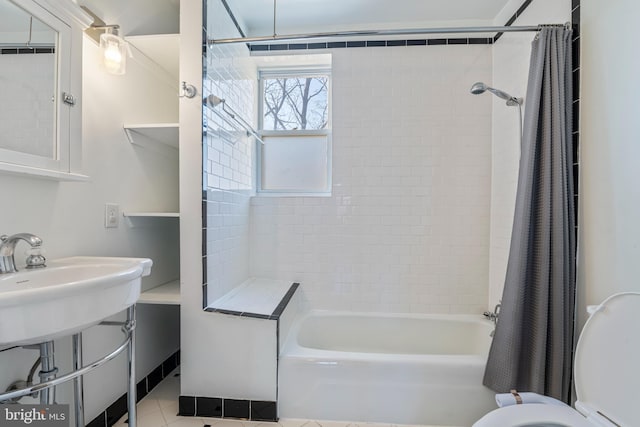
{"type": "Point", "coordinates": [607, 375]}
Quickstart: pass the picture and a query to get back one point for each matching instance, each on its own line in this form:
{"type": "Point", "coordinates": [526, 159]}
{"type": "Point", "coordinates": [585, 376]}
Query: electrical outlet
{"type": "Point", "coordinates": [111, 215]}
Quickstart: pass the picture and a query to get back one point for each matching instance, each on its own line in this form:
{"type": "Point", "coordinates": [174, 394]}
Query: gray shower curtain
{"type": "Point", "coordinates": [533, 341]}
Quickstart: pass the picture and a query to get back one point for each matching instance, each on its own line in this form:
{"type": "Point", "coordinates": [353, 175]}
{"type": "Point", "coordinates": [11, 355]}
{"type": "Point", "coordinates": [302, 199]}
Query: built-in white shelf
{"type": "Point", "coordinates": [168, 293]}
{"type": "Point", "coordinates": [163, 49]}
{"type": "Point", "coordinates": [164, 133]}
{"type": "Point", "coordinates": [151, 214]}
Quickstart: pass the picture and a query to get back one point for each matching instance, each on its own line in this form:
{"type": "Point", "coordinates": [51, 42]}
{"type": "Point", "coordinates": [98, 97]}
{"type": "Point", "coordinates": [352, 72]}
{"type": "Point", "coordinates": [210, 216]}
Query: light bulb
{"type": "Point", "coordinates": [114, 52]}
{"type": "Point", "coordinates": [112, 56]}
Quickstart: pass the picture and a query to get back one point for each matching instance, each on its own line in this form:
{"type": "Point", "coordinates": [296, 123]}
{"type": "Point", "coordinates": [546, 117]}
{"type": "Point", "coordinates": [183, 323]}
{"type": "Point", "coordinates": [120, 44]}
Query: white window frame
{"type": "Point", "coordinates": [271, 73]}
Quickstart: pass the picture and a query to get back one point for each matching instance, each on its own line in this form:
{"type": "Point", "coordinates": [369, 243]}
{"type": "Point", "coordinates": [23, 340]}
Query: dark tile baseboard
{"type": "Point", "coordinates": [117, 409]}
{"type": "Point", "coordinates": [218, 407]}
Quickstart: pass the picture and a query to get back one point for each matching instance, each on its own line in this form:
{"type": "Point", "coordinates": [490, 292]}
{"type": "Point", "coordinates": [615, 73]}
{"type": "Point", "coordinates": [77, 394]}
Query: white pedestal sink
{"type": "Point", "coordinates": [66, 296]}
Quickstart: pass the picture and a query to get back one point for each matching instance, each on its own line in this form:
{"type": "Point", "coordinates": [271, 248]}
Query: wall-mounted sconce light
{"type": "Point", "coordinates": [114, 51]}
{"type": "Point", "coordinates": [114, 48]}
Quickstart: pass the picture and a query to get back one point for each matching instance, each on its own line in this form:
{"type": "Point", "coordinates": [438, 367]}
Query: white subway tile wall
{"type": "Point", "coordinates": [406, 228]}
{"type": "Point", "coordinates": [227, 159]}
{"type": "Point", "coordinates": [227, 241]}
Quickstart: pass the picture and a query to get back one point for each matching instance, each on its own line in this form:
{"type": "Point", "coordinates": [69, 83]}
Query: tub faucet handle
{"type": "Point", "coordinates": [490, 315]}
{"type": "Point", "coordinates": [493, 315]}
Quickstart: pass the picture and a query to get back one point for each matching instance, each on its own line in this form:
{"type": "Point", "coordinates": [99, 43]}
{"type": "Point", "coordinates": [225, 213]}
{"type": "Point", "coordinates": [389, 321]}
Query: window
{"type": "Point", "coordinates": [295, 127]}
{"type": "Point", "coordinates": [295, 102]}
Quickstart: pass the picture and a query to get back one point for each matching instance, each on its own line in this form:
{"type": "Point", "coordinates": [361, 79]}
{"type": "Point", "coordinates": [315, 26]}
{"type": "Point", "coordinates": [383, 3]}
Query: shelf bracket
{"type": "Point", "coordinates": [127, 132]}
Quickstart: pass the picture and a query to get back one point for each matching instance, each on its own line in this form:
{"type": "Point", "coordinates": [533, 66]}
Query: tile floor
{"type": "Point", "coordinates": [159, 409]}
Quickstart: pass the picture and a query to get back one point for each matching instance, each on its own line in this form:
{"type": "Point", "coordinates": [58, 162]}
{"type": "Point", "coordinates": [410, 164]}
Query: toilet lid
{"type": "Point", "coordinates": [607, 370]}
{"type": "Point", "coordinates": [533, 415]}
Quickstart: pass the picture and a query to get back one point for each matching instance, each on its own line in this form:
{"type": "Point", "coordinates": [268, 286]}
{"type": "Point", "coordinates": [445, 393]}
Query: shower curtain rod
{"type": "Point", "coordinates": [360, 33]}
{"type": "Point", "coordinates": [28, 46]}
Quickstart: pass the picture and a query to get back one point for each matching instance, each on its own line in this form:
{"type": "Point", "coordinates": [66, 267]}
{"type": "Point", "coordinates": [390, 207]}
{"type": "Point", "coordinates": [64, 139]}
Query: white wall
{"type": "Point", "coordinates": [511, 56]}
{"type": "Point", "coordinates": [407, 226]}
{"type": "Point", "coordinates": [610, 202]}
{"type": "Point", "coordinates": [69, 217]}
{"type": "Point", "coordinates": [196, 342]}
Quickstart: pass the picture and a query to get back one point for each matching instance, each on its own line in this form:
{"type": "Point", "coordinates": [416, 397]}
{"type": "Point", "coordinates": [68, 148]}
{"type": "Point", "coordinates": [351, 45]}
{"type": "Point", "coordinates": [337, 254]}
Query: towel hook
{"type": "Point", "coordinates": [187, 91]}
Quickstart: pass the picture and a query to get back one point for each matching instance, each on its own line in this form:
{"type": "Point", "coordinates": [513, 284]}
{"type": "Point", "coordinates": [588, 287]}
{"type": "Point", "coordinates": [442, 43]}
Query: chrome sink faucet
{"type": "Point", "coordinates": [7, 249]}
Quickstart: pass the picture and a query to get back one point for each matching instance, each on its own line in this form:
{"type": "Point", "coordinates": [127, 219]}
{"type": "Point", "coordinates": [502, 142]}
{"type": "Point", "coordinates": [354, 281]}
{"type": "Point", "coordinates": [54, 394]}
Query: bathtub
{"type": "Point", "coordinates": [388, 368]}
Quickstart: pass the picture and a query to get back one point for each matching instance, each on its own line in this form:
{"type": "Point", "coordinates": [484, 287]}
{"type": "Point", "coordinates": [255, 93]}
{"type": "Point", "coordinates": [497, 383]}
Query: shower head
{"type": "Point", "coordinates": [480, 87]}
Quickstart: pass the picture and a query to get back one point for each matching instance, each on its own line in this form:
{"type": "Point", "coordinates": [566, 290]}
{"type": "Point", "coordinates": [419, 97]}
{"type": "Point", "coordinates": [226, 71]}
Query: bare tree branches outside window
{"type": "Point", "coordinates": [295, 103]}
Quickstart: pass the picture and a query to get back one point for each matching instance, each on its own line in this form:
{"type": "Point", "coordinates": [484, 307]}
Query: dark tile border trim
{"type": "Point", "coordinates": [232, 16]}
{"type": "Point", "coordinates": [273, 316]}
{"type": "Point", "coordinates": [368, 43]}
{"type": "Point", "coordinates": [203, 182]}
{"type": "Point", "coordinates": [513, 18]}
{"type": "Point", "coordinates": [26, 50]}
{"type": "Point", "coordinates": [117, 409]}
{"type": "Point", "coordinates": [285, 300]}
{"type": "Point", "coordinates": [220, 407]}
{"type": "Point", "coordinates": [575, 137]}
{"type": "Point", "coordinates": [240, 313]}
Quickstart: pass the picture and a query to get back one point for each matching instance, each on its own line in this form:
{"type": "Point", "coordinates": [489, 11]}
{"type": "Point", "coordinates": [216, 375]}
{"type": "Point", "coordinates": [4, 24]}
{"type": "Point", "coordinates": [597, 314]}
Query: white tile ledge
{"type": "Point", "coordinates": [255, 295]}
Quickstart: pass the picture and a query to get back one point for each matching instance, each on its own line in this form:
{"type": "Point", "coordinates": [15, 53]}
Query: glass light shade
{"type": "Point", "coordinates": [114, 53]}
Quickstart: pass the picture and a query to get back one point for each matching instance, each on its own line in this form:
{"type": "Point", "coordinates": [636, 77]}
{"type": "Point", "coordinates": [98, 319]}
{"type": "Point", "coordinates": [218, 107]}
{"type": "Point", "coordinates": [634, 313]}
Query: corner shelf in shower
{"type": "Point", "coordinates": [167, 293]}
{"type": "Point", "coordinates": [146, 134]}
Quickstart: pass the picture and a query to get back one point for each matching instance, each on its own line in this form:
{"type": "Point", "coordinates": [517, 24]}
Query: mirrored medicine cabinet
{"type": "Point", "coordinates": [40, 88]}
